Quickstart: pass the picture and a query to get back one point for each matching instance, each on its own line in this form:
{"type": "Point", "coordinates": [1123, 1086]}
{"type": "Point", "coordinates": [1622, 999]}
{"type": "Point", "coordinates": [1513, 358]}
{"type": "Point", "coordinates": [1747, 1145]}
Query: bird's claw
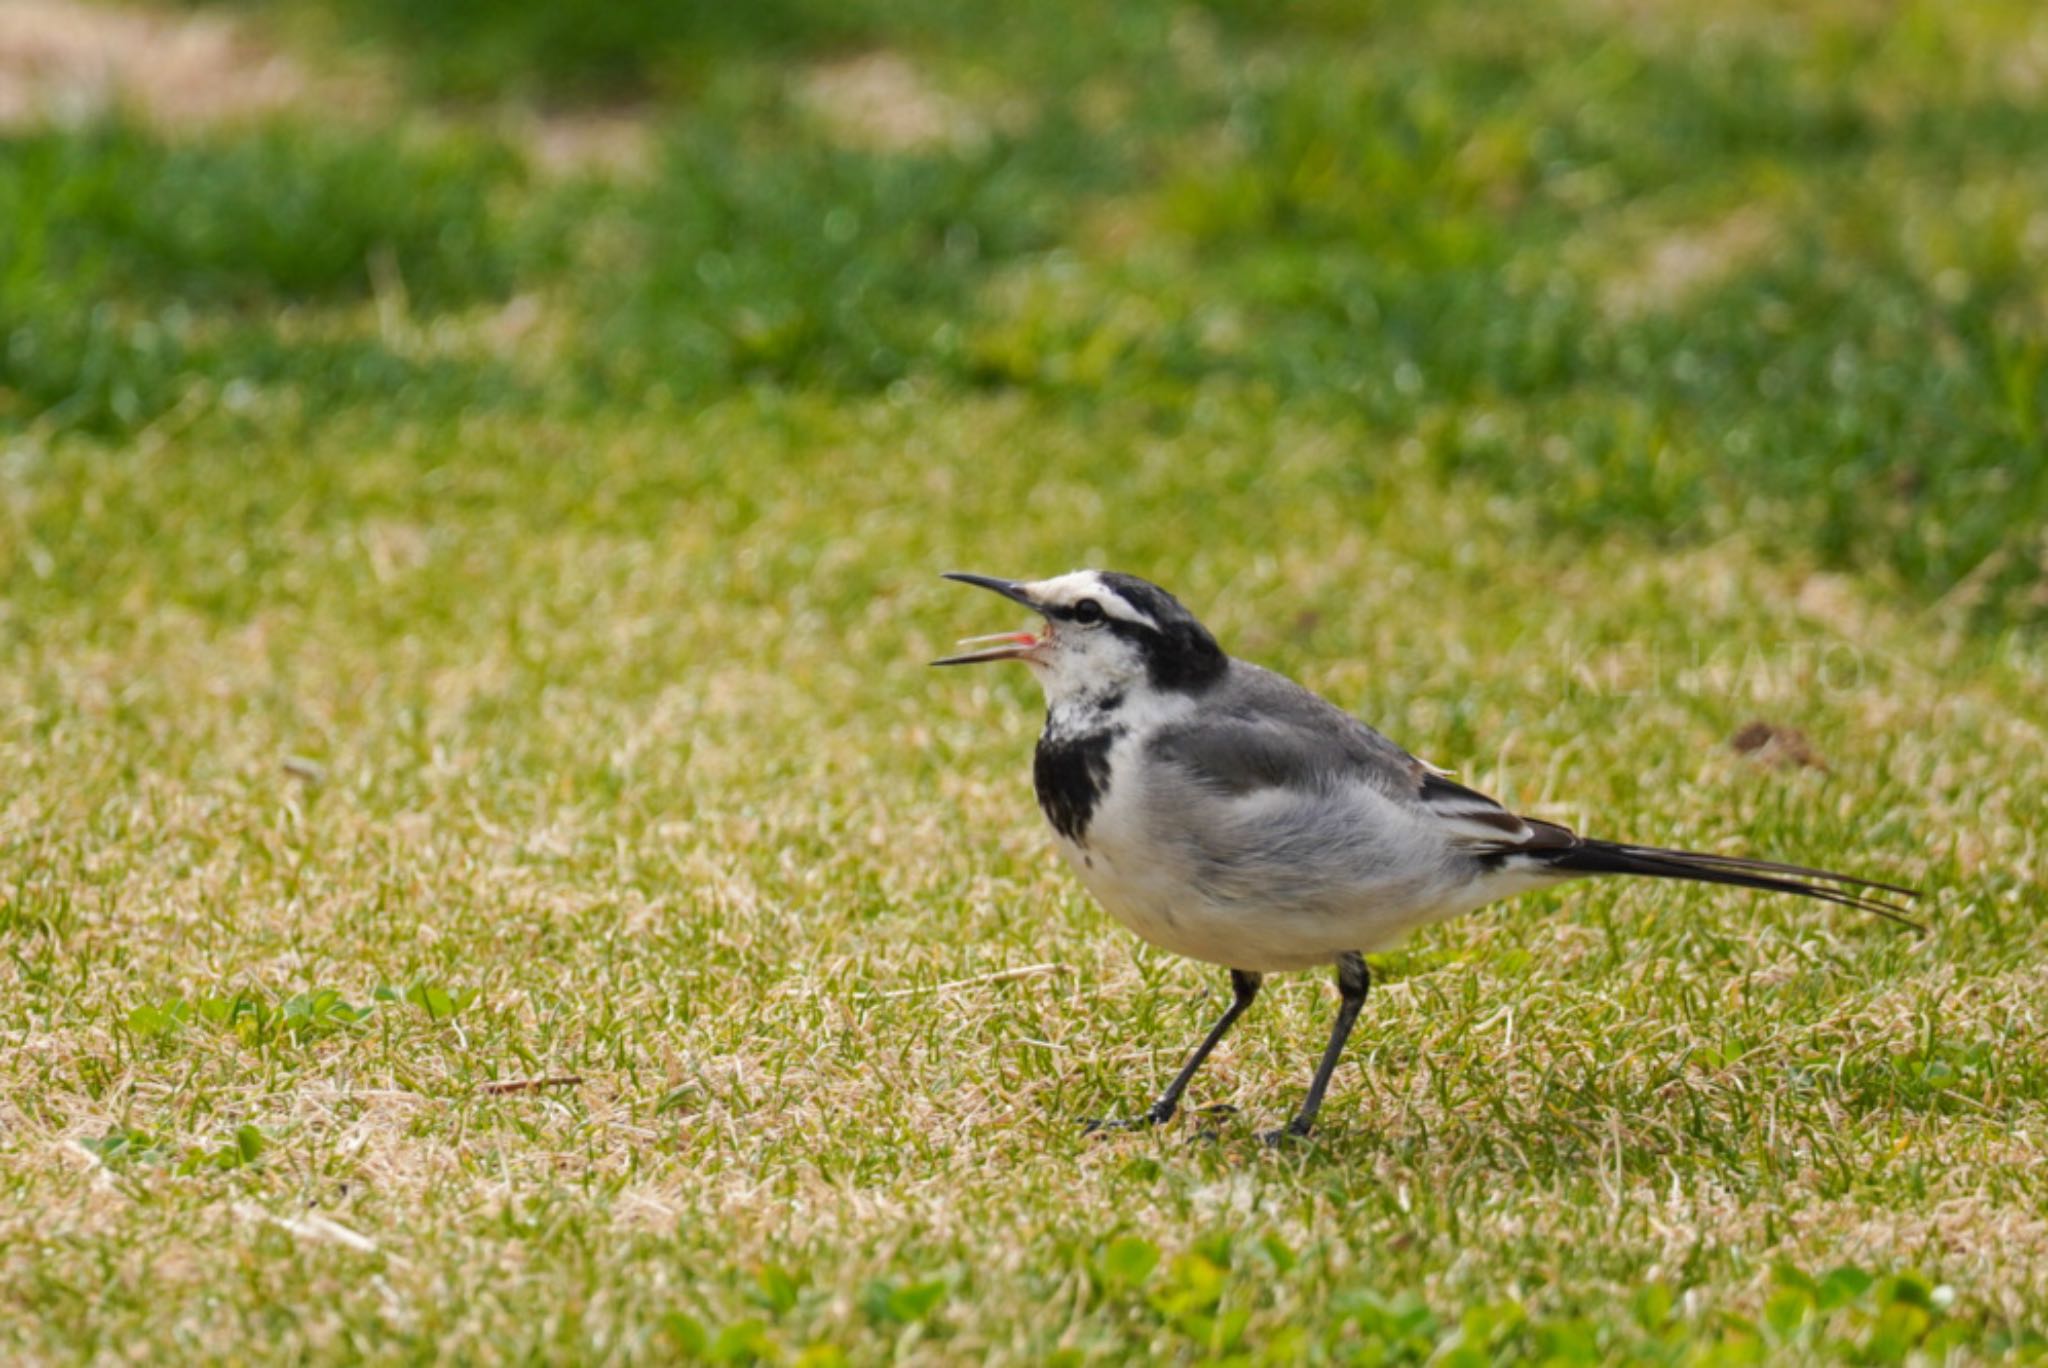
{"type": "Point", "coordinates": [1153, 1116]}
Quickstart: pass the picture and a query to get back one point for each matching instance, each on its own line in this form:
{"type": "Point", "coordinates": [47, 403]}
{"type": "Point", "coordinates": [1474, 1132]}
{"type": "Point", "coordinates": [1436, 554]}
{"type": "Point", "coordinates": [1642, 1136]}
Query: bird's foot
{"type": "Point", "coordinates": [1154, 1115]}
{"type": "Point", "coordinates": [1297, 1129]}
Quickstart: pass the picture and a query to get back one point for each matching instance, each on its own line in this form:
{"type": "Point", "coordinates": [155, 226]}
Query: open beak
{"type": "Point", "coordinates": [998, 645]}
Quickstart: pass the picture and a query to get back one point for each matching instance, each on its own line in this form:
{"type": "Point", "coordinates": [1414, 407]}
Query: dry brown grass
{"type": "Point", "coordinates": [694, 827]}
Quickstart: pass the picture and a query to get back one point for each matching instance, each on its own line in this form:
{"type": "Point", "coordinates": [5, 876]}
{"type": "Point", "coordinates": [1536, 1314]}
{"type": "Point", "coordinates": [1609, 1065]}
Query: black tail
{"type": "Point", "coordinates": [1610, 857]}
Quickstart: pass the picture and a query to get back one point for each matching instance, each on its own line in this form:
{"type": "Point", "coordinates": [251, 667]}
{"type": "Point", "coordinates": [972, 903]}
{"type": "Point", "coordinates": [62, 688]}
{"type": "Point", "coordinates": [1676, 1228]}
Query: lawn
{"type": "Point", "coordinates": [486, 874]}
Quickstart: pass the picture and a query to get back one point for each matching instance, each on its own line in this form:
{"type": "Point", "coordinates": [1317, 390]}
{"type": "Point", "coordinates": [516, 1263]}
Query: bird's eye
{"type": "Point", "coordinates": [1087, 611]}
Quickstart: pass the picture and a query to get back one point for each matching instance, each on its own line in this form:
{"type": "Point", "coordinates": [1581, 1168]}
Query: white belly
{"type": "Point", "coordinates": [1143, 879]}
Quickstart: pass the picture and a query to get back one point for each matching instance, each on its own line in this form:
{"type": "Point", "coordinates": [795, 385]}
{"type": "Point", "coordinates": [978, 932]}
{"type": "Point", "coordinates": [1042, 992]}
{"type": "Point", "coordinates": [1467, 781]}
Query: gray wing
{"type": "Point", "coordinates": [1359, 810]}
{"type": "Point", "coordinates": [1260, 731]}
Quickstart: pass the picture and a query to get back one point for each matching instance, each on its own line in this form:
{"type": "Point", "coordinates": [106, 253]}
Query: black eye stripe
{"type": "Point", "coordinates": [1178, 651]}
{"type": "Point", "coordinates": [1088, 612]}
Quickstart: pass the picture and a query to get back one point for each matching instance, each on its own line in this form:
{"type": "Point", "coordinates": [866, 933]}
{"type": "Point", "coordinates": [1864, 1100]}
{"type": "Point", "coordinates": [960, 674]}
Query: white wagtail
{"type": "Point", "coordinates": [1228, 814]}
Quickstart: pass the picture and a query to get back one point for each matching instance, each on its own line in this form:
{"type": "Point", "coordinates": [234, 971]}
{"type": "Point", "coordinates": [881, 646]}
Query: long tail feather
{"type": "Point", "coordinates": [1608, 857]}
{"type": "Point", "coordinates": [1771, 867]}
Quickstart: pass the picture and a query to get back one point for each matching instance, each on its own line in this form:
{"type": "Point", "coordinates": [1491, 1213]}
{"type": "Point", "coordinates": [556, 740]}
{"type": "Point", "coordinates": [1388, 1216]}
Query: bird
{"type": "Point", "coordinates": [1227, 814]}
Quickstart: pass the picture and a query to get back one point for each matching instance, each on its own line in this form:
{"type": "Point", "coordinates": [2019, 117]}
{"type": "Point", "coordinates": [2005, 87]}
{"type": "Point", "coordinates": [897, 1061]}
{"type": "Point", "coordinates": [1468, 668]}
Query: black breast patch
{"type": "Point", "coordinates": [1072, 774]}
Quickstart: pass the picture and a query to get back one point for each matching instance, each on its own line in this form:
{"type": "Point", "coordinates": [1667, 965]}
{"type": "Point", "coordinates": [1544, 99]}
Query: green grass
{"type": "Point", "coordinates": [464, 626]}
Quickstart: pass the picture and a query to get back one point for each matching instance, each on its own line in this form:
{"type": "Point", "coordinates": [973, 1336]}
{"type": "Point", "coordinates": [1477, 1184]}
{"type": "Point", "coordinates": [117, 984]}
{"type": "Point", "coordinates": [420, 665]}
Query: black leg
{"type": "Point", "coordinates": [1353, 979]}
{"type": "Point", "coordinates": [1244, 986]}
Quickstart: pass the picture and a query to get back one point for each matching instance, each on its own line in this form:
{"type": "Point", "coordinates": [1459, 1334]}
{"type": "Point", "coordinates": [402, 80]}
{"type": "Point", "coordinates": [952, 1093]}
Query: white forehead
{"type": "Point", "coordinates": [1069, 589]}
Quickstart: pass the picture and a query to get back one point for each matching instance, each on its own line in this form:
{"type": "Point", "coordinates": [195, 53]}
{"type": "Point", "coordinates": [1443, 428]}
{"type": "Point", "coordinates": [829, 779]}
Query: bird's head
{"type": "Point", "coordinates": [1104, 633]}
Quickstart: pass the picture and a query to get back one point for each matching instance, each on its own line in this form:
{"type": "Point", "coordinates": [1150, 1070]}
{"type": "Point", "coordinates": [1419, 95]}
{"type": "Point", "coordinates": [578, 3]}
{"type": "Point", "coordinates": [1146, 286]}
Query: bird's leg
{"type": "Point", "coordinates": [1353, 979]}
{"type": "Point", "coordinates": [1244, 986]}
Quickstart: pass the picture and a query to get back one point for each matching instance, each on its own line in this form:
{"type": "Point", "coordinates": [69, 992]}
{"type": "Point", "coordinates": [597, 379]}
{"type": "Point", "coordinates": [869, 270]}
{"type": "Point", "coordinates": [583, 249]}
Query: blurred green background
{"type": "Point", "coordinates": [1678, 266]}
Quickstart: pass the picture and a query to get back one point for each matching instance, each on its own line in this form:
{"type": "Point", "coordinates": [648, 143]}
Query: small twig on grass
{"type": "Point", "coordinates": [304, 770]}
{"type": "Point", "coordinates": [312, 1226]}
{"type": "Point", "coordinates": [999, 976]}
{"type": "Point", "coordinates": [365, 1094]}
{"type": "Point", "coordinates": [519, 1085]}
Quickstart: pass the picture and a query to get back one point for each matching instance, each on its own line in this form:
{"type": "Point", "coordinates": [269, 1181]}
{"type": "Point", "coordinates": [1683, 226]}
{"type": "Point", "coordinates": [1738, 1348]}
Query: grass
{"type": "Point", "coordinates": [485, 874]}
